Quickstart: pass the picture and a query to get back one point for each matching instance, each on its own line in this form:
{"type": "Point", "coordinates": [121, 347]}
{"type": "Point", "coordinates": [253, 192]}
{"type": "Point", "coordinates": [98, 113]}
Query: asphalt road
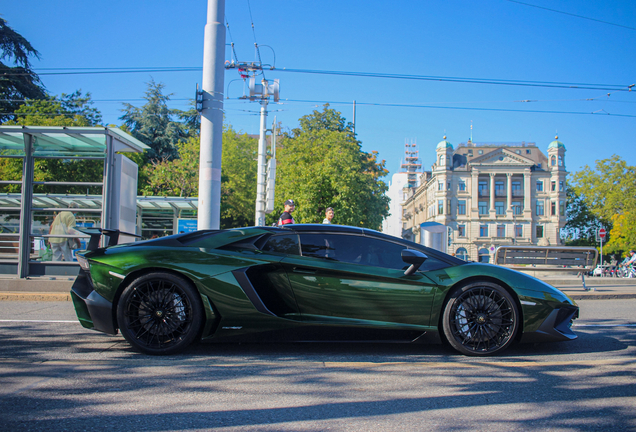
{"type": "Point", "coordinates": [55, 375]}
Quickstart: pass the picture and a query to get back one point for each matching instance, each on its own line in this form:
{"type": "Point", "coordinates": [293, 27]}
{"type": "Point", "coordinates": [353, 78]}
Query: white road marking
{"type": "Point", "coordinates": [39, 321]}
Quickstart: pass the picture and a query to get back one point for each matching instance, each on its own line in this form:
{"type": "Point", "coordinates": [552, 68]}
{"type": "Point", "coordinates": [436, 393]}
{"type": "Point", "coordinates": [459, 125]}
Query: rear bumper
{"type": "Point", "coordinates": [556, 326]}
{"type": "Point", "coordinates": [93, 311]}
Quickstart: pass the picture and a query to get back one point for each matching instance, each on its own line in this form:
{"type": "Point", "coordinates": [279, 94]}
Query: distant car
{"type": "Point", "coordinates": [310, 283]}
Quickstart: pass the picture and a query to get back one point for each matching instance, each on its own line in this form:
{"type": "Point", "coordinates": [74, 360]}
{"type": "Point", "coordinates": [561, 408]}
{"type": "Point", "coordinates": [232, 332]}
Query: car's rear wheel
{"type": "Point", "coordinates": [160, 313]}
{"type": "Point", "coordinates": [480, 319]}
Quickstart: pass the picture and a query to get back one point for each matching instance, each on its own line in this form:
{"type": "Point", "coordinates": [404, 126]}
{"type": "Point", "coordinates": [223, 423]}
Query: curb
{"type": "Point", "coordinates": [42, 296]}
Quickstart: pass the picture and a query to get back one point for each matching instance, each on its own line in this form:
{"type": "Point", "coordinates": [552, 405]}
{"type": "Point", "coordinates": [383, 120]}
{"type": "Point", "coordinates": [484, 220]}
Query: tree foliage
{"type": "Point", "coordinates": [581, 224]}
{"type": "Point", "coordinates": [155, 124]}
{"type": "Point", "coordinates": [17, 82]}
{"type": "Point", "coordinates": [238, 179]}
{"type": "Point", "coordinates": [609, 191]}
{"type": "Point", "coordinates": [180, 176]}
{"type": "Point", "coordinates": [321, 164]}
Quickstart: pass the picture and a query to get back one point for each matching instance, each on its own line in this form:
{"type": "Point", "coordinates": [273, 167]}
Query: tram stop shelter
{"type": "Point", "coordinates": [26, 217]}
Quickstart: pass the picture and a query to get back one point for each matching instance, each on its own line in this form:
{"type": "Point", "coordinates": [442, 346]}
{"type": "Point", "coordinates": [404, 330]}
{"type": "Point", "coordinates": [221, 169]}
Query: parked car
{"type": "Point", "coordinates": [310, 283]}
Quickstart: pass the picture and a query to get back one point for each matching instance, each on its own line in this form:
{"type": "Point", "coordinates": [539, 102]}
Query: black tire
{"type": "Point", "coordinates": [480, 319]}
{"type": "Point", "coordinates": [160, 313]}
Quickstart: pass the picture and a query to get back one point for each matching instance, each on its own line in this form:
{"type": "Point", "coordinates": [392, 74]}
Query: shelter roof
{"type": "Point", "coordinates": [67, 141]}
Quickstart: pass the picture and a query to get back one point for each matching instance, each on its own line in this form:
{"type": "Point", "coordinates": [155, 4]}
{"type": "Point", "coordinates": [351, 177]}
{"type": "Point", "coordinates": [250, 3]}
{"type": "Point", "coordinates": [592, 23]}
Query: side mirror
{"type": "Point", "coordinates": [413, 257]}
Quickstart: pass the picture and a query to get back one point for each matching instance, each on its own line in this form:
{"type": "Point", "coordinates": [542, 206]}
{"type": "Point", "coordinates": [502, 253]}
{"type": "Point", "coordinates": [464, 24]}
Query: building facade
{"type": "Point", "coordinates": [490, 195]}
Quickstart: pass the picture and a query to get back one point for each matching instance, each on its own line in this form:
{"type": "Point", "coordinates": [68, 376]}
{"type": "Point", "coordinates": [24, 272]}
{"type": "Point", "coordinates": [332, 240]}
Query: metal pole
{"type": "Point", "coordinates": [262, 169]}
{"type": "Point", "coordinates": [27, 203]}
{"type": "Point", "coordinates": [354, 118]}
{"type": "Point", "coordinates": [209, 213]}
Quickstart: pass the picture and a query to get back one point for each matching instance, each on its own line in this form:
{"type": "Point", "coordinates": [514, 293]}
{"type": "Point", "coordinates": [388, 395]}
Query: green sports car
{"type": "Point", "coordinates": [309, 283]}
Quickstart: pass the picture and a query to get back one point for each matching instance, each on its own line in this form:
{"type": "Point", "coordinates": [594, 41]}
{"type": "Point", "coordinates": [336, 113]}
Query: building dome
{"type": "Point", "coordinates": [556, 144]}
{"type": "Point", "coordinates": [444, 144]}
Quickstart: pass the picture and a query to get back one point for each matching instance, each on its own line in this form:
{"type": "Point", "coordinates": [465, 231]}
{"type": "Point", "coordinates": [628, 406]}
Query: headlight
{"type": "Point", "coordinates": [83, 262]}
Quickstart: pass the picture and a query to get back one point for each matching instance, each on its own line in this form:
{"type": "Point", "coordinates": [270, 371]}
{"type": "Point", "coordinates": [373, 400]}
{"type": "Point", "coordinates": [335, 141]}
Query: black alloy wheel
{"type": "Point", "coordinates": [480, 319]}
{"type": "Point", "coordinates": [160, 313]}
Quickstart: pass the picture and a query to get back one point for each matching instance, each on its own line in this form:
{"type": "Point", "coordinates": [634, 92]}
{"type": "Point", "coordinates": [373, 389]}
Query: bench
{"type": "Point", "coordinates": [548, 258]}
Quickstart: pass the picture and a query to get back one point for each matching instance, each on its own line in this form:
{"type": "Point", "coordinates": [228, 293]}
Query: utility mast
{"type": "Point", "coordinates": [211, 105]}
{"type": "Point", "coordinates": [261, 92]}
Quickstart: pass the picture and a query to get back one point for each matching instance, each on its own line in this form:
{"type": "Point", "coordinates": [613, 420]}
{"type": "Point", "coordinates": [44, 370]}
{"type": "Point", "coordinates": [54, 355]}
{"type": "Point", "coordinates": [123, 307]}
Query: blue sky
{"type": "Point", "coordinates": [487, 39]}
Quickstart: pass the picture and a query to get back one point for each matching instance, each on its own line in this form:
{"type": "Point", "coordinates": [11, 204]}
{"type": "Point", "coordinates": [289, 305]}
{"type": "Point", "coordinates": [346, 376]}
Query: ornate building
{"type": "Point", "coordinates": [490, 195]}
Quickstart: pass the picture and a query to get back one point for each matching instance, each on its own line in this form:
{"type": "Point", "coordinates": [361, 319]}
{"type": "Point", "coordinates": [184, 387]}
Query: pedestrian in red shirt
{"type": "Point", "coordinates": [286, 217]}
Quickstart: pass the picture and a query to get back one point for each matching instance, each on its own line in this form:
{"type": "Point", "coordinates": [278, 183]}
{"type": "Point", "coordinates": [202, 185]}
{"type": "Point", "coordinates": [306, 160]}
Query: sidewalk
{"type": "Point", "coordinates": [58, 288]}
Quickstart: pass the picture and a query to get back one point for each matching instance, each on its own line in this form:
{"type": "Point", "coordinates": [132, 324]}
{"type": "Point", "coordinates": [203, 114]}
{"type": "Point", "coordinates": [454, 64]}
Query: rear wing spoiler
{"type": "Point", "coordinates": [96, 236]}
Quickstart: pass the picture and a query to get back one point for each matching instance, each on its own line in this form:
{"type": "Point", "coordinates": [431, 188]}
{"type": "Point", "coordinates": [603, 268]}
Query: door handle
{"type": "Point", "coordinates": [304, 270]}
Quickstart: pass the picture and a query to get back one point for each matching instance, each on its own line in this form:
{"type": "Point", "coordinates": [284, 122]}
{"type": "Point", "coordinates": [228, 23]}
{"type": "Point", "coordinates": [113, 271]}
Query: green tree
{"type": "Point", "coordinates": [154, 124]}
{"type": "Point", "coordinates": [17, 82]}
{"type": "Point", "coordinates": [321, 164]}
{"type": "Point", "coordinates": [609, 191]}
{"type": "Point", "coordinates": [238, 179]}
{"type": "Point", "coordinates": [581, 224]}
{"type": "Point", "coordinates": [180, 177]}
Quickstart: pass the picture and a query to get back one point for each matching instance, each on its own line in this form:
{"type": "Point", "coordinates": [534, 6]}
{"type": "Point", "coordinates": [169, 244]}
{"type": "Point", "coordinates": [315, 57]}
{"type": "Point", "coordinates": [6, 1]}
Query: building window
{"type": "Point", "coordinates": [516, 207]}
{"type": "Point", "coordinates": [528, 151]}
{"type": "Point", "coordinates": [553, 186]}
{"type": "Point", "coordinates": [518, 152]}
{"type": "Point", "coordinates": [483, 208]}
{"type": "Point", "coordinates": [462, 254]}
{"type": "Point", "coordinates": [484, 255]}
{"type": "Point", "coordinates": [501, 230]}
{"type": "Point", "coordinates": [552, 208]}
{"type": "Point", "coordinates": [561, 188]}
{"type": "Point", "coordinates": [448, 207]}
{"type": "Point", "coordinates": [480, 152]}
{"type": "Point", "coordinates": [516, 188]}
{"type": "Point", "coordinates": [440, 206]}
{"type": "Point", "coordinates": [560, 160]}
{"type": "Point", "coordinates": [461, 207]}
{"type": "Point", "coordinates": [483, 230]}
{"type": "Point", "coordinates": [470, 152]}
{"type": "Point", "coordinates": [461, 230]}
{"type": "Point", "coordinates": [562, 208]}
{"type": "Point", "coordinates": [539, 186]}
{"type": "Point", "coordinates": [539, 231]}
{"type": "Point", "coordinates": [448, 186]}
{"type": "Point", "coordinates": [518, 231]}
{"type": "Point", "coordinates": [440, 186]}
{"type": "Point", "coordinates": [500, 189]}
{"type": "Point", "coordinates": [441, 160]}
{"type": "Point", "coordinates": [483, 188]}
{"type": "Point", "coordinates": [500, 208]}
{"type": "Point", "coordinates": [553, 161]}
{"type": "Point", "coordinates": [462, 185]}
{"type": "Point", "coordinates": [540, 211]}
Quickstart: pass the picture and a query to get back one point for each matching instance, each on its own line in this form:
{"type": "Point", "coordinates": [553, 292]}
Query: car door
{"type": "Point", "coordinates": [349, 279]}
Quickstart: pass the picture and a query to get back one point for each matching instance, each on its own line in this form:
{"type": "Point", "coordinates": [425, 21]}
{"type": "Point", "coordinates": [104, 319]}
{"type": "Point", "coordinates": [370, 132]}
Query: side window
{"type": "Point", "coordinates": [284, 244]}
{"type": "Point", "coordinates": [361, 250]}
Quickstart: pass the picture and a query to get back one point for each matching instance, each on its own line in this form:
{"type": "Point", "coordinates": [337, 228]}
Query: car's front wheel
{"type": "Point", "coordinates": [480, 319]}
{"type": "Point", "coordinates": [160, 313]}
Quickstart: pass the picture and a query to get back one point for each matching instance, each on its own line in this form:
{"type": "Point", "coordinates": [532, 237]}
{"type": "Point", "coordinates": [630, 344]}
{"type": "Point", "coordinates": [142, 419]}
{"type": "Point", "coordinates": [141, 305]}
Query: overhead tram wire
{"type": "Point", "coordinates": [398, 105]}
{"type": "Point", "coordinates": [258, 51]}
{"type": "Point", "coordinates": [571, 14]}
{"type": "Point", "coordinates": [523, 83]}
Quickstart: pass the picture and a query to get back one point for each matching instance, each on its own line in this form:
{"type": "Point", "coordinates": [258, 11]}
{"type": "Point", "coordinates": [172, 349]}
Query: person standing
{"type": "Point", "coordinates": [286, 217]}
{"type": "Point", "coordinates": [63, 225]}
{"type": "Point", "coordinates": [328, 215]}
